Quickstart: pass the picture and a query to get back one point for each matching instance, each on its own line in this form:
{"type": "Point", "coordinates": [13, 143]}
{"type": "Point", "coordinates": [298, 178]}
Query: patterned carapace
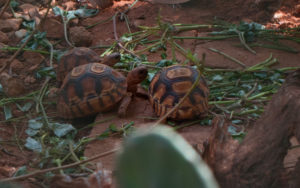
{"type": "Point", "coordinates": [80, 56]}
{"type": "Point", "coordinates": [170, 85]}
{"type": "Point", "coordinates": [89, 89]}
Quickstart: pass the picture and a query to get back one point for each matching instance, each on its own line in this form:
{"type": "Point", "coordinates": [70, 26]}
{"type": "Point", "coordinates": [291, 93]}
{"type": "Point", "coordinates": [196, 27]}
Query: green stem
{"type": "Point", "coordinates": [206, 38]}
{"type": "Point", "coordinates": [100, 22]}
{"type": "Point", "coordinates": [24, 49]}
{"type": "Point", "coordinates": [147, 48]}
{"type": "Point", "coordinates": [221, 102]}
{"type": "Point", "coordinates": [242, 40]}
{"type": "Point", "coordinates": [65, 23]}
{"type": "Point", "coordinates": [261, 94]}
{"type": "Point", "coordinates": [228, 57]}
{"type": "Point", "coordinates": [288, 69]}
{"type": "Point", "coordinates": [250, 112]}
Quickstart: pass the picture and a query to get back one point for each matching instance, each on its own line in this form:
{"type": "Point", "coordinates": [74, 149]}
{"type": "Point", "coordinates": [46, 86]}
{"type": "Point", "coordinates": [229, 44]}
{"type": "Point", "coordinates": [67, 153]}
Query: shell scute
{"type": "Point", "coordinates": [170, 85]}
{"type": "Point", "coordinates": [98, 88]}
{"type": "Point", "coordinates": [74, 58]}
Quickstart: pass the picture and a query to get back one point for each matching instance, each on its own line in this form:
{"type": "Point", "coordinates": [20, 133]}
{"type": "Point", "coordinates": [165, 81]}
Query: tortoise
{"type": "Point", "coordinates": [92, 88]}
{"type": "Point", "coordinates": [79, 56]}
{"type": "Point", "coordinates": [170, 84]}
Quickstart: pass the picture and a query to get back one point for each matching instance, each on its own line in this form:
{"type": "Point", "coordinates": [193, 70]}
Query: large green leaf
{"type": "Point", "coordinates": [161, 158]}
{"type": "Point", "coordinates": [33, 145]}
{"type": "Point", "coordinates": [61, 129]}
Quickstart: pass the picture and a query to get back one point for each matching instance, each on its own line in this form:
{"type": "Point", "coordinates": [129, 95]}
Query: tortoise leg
{"type": "Point", "coordinates": [124, 105]}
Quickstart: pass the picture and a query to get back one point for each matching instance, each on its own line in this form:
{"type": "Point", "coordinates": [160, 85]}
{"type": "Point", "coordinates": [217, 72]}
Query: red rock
{"type": "Point", "coordinates": [3, 38]}
{"type": "Point", "coordinates": [26, 7]}
{"type": "Point", "coordinates": [12, 86]}
{"type": "Point", "coordinates": [12, 24]}
{"type": "Point", "coordinates": [7, 171]}
{"type": "Point", "coordinates": [80, 36]}
{"type": "Point", "coordinates": [6, 15]}
{"type": "Point", "coordinates": [33, 58]}
{"type": "Point", "coordinates": [29, 80]}
{"type": "Point", "coordinates": [54, 28]}
{"type": "Point", "coordinates": [297, 9]}
{"type": "Point", "coordinates": [16, 66]}
{"type": "Point", "coordinates": [102, 3]}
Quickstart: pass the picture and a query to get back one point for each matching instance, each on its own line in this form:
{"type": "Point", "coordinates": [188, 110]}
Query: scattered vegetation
{"type": "Point", "coordinates": [239, 94]}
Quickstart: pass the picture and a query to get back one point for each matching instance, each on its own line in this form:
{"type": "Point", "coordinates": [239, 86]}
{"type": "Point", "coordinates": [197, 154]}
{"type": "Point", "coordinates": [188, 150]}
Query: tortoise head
{"type": "Point", "coordinates": [137, 75]}
{"type": "Point", "coordinates": [111, 59]}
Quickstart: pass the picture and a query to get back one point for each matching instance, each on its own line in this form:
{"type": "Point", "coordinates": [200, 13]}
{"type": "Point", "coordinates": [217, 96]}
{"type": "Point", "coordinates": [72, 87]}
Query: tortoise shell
{"type": "Point", "coordinates": [80, 56]}
{"type": "Point", "coordinates": [73, 58]}
{"type": "Point", "coordinates": [170, 85]}
{"type": "Point", "coordinates": [89, 89]}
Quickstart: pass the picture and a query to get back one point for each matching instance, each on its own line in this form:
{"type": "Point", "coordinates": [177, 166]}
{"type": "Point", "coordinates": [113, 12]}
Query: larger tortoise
{"type": "Point", "coordinates": [92, 88]}
{"type": "Point", "coordinates": [170, 85]}
{"type": "Point", "coordinates": [80, 56]}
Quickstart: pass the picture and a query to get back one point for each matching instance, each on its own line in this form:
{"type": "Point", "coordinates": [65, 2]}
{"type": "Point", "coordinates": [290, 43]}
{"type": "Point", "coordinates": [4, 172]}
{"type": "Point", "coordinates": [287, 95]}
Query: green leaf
{"type": "Point", "coordinates": [151, 74]}
{"type": "Point", "coordinates": [241, 93]}
{"type": "Point", "coordinates": [163, 55]}
{"type": "Point", "coordinates": [126, 39]}
{"type": "Point", "coordinates": [104, 135]}
{"type": "Point", "coordinates": [33, 145]}
{"type": "Point", "coordinates": [34, 124]}
{"type": "Point", "coordinates": [84, 13]}
{"type": "Point", "coordinates": [46, 71]}
{"type": "Point", "coordinates": [26, 106]}
{"type": "Point", "coordinates": [7, 112]}
{"type": "Point", "coordinates": [21, 171]}
{"type": "Point", "coordinates": [61, 129]}
{"type": "Point", "coordinates": [237, 121]}
{"type": "Point", "coordinates": [31, 132]}
{"type": "Point", "coordinates": [14, 4]}
{"type": "Point", "coordinates": [275, 77]}
{"type": "Point", "coordinates": [113, 128]}
{"type": "Point", "coordinates": [128, 125]}
{"type": "Point", "coordinates": [57, 11]}
{"type": "Point", "coordinates": [81, 13]}
{"type": "Point", "coordinates": [235, 134]}
{"type": "Point", "coordinates": [161, 158]}
{"type": "Point", "coordinates": [165, 63]}
{"type": "Point", "coordinates": [261, 75]}
{"type": "Point", "coordinates": [29, 25]}
{"type": "Point", "coordinates": [217, 78]}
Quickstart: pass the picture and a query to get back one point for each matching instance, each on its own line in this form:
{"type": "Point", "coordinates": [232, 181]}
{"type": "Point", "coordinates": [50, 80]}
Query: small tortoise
{"type": "Point", "coordinates": [80, 56]}
{"type": "Point", "coordinates": [92, 88]}
{"type": "Point", "coordinates": [170, 85]}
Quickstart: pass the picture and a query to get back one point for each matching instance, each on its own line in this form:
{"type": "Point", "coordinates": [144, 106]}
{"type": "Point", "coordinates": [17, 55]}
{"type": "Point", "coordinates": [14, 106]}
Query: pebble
{"type": "Point", "coordinates": [20, 33]}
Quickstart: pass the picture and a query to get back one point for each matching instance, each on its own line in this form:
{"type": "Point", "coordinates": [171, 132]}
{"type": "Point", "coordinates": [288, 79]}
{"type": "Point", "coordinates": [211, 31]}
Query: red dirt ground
{"type": "Point", "coordinates": [193, 13]}
{"type": "Point", "coordinates": [144, 13]}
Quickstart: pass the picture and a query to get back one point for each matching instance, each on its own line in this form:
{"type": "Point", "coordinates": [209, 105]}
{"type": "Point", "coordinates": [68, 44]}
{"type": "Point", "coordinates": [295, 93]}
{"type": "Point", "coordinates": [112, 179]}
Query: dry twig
{"type": "Point", "coordinates": [61, 167]}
